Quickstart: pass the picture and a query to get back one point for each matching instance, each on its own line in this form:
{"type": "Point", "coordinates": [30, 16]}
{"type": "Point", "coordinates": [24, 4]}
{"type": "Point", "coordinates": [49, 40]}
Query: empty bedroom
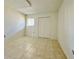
{"type": "Point", "coordinates": [39, 29]}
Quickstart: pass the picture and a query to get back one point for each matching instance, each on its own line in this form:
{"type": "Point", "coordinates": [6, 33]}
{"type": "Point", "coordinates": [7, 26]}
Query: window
{"type": "Point", "coordinates": [30, 22]}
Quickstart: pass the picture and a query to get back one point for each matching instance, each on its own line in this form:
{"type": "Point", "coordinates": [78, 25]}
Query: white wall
{"type": "Point", "coordinates": [14, 22]}
{"type": "Point", "coordinates": [66, 27]}
{"type": "Point", "coordinates": [34, 30]}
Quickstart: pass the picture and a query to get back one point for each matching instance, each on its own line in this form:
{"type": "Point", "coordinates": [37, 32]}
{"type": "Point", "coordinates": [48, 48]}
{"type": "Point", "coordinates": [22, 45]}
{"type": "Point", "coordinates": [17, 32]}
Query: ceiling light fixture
{"type": "Point", "coordinates": [28, 2]}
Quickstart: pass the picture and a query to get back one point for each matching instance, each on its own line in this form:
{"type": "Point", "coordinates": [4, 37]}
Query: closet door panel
{"type": "Point", "coordinates": [44, 27]}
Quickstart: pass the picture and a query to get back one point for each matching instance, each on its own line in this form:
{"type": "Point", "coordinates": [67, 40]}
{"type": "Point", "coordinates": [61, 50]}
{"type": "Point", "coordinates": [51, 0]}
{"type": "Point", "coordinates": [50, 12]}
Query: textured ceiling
{"type": "Point", "coordinates": [38, 6]}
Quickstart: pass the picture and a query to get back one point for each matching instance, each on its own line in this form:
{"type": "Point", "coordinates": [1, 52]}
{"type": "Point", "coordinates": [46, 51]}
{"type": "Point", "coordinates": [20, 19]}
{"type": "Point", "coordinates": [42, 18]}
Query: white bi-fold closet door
{"type": "Point", "coordinates": [44, 27]}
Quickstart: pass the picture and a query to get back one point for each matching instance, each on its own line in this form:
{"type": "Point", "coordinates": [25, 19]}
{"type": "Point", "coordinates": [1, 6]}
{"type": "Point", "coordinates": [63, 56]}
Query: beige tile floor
{"type": "Point", "coordinates": [33, 48]}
